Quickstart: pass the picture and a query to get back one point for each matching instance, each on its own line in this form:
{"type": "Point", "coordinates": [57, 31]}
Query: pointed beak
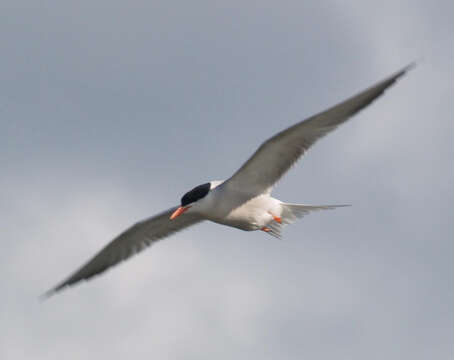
{"type": "Point", "coordinates": [179, 211]}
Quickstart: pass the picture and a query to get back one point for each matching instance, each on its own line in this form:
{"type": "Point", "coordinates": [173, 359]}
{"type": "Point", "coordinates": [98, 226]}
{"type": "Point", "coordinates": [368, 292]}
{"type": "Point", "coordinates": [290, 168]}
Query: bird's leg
{"type": "Point", "coordinates": [276, 218]}
{"type": "Point", "coordinates": [265, 229]}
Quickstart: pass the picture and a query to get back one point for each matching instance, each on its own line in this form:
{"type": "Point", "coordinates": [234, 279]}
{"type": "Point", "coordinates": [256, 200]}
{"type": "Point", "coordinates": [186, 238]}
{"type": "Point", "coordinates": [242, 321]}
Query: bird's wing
{"type": "Point", "coordinates": [276, 155]}
{"type": "Point", "coordinates": [130, 242]}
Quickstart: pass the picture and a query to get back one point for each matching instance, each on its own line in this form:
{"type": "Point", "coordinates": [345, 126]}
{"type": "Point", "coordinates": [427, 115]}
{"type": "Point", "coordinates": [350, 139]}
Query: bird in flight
{"type": "Point", "coordinates": [244, 200]}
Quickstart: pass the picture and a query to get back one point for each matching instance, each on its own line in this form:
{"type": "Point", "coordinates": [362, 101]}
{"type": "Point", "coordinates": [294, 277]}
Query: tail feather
{"type": "Point", "coordinates": [292, 212]}
{"type": "Point", "coordinates": [275, 229]}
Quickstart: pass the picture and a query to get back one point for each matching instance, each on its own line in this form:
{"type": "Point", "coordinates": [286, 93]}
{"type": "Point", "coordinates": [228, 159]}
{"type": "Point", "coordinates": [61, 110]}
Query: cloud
{"type": "Point", "coordinates": [111, 111]}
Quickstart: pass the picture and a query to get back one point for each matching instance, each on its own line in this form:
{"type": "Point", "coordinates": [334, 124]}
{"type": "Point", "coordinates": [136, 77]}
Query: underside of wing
{"type": "Point", "coordinates": [276, 155]}
{"type": "Point", "coordinates": [128, 243]}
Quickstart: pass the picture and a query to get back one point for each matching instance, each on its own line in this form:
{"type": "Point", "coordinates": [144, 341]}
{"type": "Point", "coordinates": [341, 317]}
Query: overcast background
{"type": "Point", "coordinates": [111, 110]}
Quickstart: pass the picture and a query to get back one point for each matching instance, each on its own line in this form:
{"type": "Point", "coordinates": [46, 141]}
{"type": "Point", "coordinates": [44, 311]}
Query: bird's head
{"type": "Point", "coordinates": [194, 196]}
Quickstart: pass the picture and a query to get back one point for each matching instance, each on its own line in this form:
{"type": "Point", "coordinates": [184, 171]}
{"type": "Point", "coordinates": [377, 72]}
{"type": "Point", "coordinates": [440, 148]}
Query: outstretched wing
{"type": "Point", "coordinates": [276, 155]}
{"type": "Point", "coordinates": [128, 243]}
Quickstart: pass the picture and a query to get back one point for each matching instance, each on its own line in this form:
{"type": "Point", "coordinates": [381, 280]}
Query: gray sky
{"type": "Point", "coordinates": [111, 110]}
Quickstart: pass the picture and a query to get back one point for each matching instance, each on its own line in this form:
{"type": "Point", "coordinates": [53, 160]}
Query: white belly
{"type": "Point", "coordinates": [252, 215]}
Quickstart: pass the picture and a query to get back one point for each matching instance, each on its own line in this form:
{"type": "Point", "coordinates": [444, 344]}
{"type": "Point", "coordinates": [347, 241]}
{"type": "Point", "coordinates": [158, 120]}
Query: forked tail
{"type": "Point", "coordinates": [292, 212]}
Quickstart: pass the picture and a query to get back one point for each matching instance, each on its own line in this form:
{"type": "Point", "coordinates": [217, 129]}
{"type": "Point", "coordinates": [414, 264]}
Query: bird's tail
{"type": "Point", "coordinates": [292, 212]}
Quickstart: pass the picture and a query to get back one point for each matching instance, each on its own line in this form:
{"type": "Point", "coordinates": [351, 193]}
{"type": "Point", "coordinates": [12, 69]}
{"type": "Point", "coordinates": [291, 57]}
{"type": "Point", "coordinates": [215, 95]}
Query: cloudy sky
{"type": "Point", "coordinates": [111, 110]}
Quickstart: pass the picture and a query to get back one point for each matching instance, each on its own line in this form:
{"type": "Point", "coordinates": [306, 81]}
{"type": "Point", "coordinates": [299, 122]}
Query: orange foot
{"type": "Point", "coordinates": [265, 229]}
{"type": "Point", "coordinates": [276, 218]}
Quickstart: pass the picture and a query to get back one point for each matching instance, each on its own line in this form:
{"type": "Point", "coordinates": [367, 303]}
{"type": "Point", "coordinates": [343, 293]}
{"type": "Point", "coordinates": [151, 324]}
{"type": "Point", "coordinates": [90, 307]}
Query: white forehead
{"type": "Point", "coordinates": [215, 183]}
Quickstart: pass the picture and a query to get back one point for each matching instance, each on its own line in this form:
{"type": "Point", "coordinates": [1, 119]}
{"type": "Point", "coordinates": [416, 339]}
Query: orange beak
{"type": "Point", "coordinates": [179, 211]}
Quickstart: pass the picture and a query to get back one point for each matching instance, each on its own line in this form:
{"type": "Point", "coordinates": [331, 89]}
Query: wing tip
{"type": "Point", "coordinates": [410, 66]}
{"type": "Point", "coordinates": [51, 292]}
{"type": "Point", "coordinates": [404, 70]}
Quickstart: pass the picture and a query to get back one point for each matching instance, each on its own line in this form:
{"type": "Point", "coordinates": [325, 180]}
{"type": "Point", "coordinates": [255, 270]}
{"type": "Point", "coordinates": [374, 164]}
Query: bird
{"type": "Point", "coordinates": [242, 201]}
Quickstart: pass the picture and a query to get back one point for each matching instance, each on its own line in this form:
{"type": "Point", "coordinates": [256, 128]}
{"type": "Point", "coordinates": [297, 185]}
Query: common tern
{"type": "Point", "coordinates": [244, 200]}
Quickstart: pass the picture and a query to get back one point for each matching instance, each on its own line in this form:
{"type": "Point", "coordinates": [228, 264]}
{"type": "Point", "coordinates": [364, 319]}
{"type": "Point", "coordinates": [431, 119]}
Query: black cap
{"type": "Point", "coordinates": [195, 194]}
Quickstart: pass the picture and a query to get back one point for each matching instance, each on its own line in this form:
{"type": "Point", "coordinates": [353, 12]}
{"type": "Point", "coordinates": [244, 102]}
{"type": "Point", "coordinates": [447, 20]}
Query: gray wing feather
{"type": "Point", "coordinates": [128, 243]}
{"type": "Point", "coordinates": [276, 155]}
